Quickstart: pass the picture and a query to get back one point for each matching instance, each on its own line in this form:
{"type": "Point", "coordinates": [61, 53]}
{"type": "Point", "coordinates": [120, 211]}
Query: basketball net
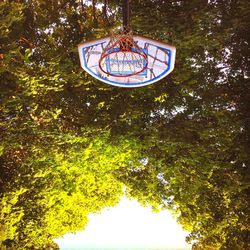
{"type": "Point", "coordinates": [122, 57]}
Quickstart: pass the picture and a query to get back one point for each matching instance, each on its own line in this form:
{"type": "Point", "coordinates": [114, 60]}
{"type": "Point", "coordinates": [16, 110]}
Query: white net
{"type": "Point", "coordinates": [123, 57]}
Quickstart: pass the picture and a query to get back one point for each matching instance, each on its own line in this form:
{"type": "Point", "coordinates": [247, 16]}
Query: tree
{"type": "Point", "coordinates": [198, 151]}
{"type": "Point", "coordinates": [181, 144]}
{"type": "Point", "coordinates": [57, 186]}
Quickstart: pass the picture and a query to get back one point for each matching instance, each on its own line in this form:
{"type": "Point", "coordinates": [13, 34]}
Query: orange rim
{"type": "Point", "coordinates": [136, 73]}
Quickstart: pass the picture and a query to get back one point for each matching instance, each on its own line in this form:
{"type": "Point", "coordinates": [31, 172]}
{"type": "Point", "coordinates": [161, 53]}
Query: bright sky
{"type": "Point", "coordinates": [128, 226]}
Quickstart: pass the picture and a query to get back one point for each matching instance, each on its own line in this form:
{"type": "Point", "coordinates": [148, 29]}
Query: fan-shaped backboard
{"type": "Point", "coordinates": [160, 57]}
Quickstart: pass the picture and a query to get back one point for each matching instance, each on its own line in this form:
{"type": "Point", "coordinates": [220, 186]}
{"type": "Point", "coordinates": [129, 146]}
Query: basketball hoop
{"type": "Point", "coordinates": [127, 60]}
{"type": "Point", "coordinates": [122, 57]}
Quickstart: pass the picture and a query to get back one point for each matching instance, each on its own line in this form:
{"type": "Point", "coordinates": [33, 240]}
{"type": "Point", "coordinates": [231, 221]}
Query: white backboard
{"type": "Point", "coordinates": [160, 57]}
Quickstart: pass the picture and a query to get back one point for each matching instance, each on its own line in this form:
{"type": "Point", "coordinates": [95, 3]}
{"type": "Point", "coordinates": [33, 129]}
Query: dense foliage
{"type": "Point", "coordinates": [68, 143]}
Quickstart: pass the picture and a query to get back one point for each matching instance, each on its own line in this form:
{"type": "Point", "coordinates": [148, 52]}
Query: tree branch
{"type": "Point", "coordinates": [64, 4]}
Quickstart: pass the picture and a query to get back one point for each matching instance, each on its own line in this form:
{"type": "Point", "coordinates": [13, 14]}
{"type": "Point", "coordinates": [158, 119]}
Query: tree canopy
{"type": "Point", "coordinates": [69, 144]}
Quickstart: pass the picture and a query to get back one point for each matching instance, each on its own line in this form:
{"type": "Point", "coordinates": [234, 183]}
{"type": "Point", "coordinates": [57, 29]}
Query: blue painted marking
{"type": "Point", "coordinates": [108, 63]}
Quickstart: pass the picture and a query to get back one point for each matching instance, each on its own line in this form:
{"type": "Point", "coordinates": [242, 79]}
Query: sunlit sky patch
{"type": "Point", "coordinates": [128, 226]}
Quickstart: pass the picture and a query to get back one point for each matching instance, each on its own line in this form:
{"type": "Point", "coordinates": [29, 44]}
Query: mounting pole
{"type": "Point", "coordinates": [126, 12]}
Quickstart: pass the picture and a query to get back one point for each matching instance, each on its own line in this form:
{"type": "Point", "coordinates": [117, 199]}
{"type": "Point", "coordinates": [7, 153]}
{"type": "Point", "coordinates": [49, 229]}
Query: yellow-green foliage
{"type": "Point", "coordinates": [57, 189]}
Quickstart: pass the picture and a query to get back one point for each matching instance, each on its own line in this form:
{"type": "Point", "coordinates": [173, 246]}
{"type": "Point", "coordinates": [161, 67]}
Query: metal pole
{"type": "Point", "coordinates": [125, 11]}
